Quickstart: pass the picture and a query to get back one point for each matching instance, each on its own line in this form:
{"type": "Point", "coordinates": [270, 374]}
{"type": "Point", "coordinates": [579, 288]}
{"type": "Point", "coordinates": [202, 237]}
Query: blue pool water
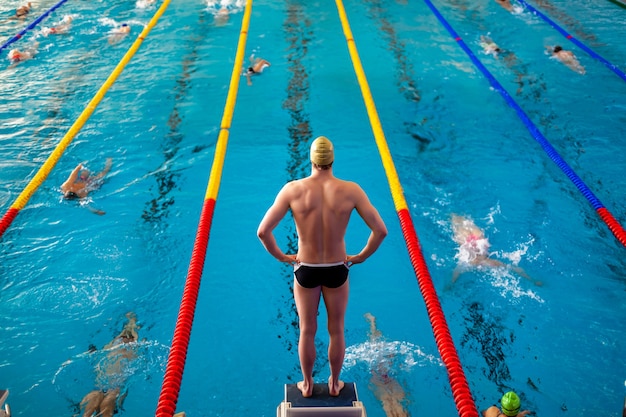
{"type": "Point", "coordinates": [68, 276]}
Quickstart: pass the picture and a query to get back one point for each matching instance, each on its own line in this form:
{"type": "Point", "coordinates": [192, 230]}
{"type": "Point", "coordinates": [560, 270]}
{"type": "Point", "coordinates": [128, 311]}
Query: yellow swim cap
{"type": "Point", "coordinates": [322, 152]}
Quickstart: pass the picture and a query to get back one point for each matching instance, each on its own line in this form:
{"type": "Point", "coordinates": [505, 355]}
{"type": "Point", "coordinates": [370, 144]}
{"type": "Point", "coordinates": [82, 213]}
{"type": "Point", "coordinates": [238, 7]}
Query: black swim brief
{"type": "Point", "coordinates": [325, 275]}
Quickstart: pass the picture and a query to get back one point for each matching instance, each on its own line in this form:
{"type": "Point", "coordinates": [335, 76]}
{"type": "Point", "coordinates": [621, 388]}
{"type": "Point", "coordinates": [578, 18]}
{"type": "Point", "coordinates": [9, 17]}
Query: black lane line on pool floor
{"type": "Point", "coordinates": [166, 177]}
{"type": "Point", "coordinates": [298, 36]}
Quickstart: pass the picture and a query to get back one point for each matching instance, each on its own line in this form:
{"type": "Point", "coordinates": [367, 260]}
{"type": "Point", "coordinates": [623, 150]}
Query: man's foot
{"type": "Point", "coordinates": [334, 389]}
{"type": "Point", "coordinates": [306, 390]}
{"type": "Point", "coordinates": [96, 211]}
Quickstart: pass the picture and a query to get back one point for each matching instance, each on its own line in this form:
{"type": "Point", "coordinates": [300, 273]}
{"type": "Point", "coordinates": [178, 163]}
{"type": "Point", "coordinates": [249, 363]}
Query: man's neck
{"type": "Point", "coordinates": [321, 173]}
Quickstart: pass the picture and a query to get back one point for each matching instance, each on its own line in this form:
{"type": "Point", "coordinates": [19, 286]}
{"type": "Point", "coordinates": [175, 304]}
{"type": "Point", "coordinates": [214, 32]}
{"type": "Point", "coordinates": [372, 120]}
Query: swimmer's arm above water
{"type": "Point", "coordinates": [106, 169]}
{"type": "Point", "coordinates": [518, 270]}
{"type": "Point", "coordinates": [73, 176]}
{"type": "Point", "coordinates": [456, 273]}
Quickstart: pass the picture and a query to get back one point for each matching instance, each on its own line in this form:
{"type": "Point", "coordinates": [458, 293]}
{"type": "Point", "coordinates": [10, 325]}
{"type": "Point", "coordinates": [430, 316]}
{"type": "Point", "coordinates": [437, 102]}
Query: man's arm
{"type": "Point", "coordinates": [272, 217]}
{"type": "Point", "coordinates": [107, 168]}
{"type": "Point", "coordinates": [457, 273]}
{"type": "Point", "coordinates": [492, 411]}
{"type": "Point", "coordinates": [370, 216]}
{"type": "Point", "coordinates": [72, 178]}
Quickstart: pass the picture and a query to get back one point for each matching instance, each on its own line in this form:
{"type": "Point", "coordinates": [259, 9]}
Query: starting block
{"type": "Point", "coordinates": [321, 403]}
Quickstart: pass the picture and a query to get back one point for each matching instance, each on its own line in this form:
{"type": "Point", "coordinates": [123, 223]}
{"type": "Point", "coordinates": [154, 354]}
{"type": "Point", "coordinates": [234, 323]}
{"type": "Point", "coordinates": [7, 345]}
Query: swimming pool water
{"type": "Point", "coordinates": [68, 276]}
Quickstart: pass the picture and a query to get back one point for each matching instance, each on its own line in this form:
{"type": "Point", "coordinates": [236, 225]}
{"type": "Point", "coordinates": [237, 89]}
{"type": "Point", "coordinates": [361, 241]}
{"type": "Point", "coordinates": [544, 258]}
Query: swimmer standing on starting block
{"type": "Point", "coordinates": [321, 206]}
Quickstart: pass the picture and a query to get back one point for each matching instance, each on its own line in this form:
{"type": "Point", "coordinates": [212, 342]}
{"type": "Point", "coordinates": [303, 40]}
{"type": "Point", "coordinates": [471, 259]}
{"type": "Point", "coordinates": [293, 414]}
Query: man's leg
{"type": "Point", "coordinates": [336, 302]}
{"type": "Point", "coordinates": [109, 403]}
{"type": "Point", "coordinates": [91, 402]}
{"type": "Point", "coordinates": [307, 303]}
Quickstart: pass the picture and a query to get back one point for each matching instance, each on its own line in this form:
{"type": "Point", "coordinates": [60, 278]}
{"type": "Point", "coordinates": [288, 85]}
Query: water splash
{"type": "Point", "coordinates": [80, 374]}
{"type": "Point", "coordinates": [397, 354]}
{"type": "Point", "coordinates": [509, 285]}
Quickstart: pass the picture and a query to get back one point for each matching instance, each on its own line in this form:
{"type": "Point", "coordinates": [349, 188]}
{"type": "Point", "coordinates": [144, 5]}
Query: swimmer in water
{"type": "Point", "coordinates": [22, 11]}
{"type": "Point", "coordinates": [119, 33]}
{"type": "Point", "coordinates": [112, 373]}
{"type": "Point", "coordinates": [81, 181]}
{"type": "Point", "coordinates": [221, 16]}
{"type": "Point", "coordinates": [506, 4]}
{"type": "Point", "coordinates": [510, 405]}
{"type": "Point", "coordinates": [386, 389]}
{"type": "Point", "coordinates": [61, 28]}
{"type": "Point", "coordinates": [489, 46]}
{"type": "Point", "coordinates": [566, 57]}
{"type": "Point", "coordinates": [475, 246]}
{"type": "Point", "coordinates": [257, 67]}
{"type": "Point", "coordinates": [16, 55]}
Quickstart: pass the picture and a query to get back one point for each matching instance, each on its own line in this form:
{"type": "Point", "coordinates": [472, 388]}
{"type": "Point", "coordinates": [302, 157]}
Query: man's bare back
{"type": "Point", "coordinates": [321, 207]}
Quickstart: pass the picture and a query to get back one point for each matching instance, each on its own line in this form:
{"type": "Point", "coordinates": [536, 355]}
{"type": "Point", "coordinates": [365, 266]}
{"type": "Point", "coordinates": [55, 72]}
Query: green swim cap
{"type": "Point", "coordinates": [510, 404]}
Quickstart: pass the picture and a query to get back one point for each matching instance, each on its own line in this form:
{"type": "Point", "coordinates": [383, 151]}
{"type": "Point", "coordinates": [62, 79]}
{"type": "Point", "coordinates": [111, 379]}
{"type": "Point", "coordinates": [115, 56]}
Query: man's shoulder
{"type": "Point", "coordinates": [492, 411]}
{"type": "Point", "coordinates": [292, 188]}
{"type": "Point", "coordinates": [293, 184]}
{"type": "Point", "coordinates": [347, 183]}
{"type": "Point", "coordinates": [309, 182]}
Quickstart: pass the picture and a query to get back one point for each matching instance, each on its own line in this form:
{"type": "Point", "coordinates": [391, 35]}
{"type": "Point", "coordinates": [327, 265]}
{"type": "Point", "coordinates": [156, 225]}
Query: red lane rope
{"type": "Point", "coordinates": [175, 367]}
{"type": "Point", "coordinates": [458, 383]}
{"type": "Point", "coordinates": [182, 332]}
{"type": "Point", "coordinates": [7, 219]}
{"type": "Point", "coordinates": [460, 388]}
{"type": "Point", "coordinates": [613, 224]}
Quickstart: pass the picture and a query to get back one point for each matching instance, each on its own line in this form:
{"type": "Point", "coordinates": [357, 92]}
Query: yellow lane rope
{"type": "Point", "coordinates": [54, 157]}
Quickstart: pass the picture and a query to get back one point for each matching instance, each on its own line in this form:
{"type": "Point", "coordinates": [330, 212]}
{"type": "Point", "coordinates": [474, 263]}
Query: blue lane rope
{"type": "Point", "coordinates": [578, 43]}
{"type": "Point", "coordinates": [534, 131]}
{"type": "Point", "coordinates": [32, 25]}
